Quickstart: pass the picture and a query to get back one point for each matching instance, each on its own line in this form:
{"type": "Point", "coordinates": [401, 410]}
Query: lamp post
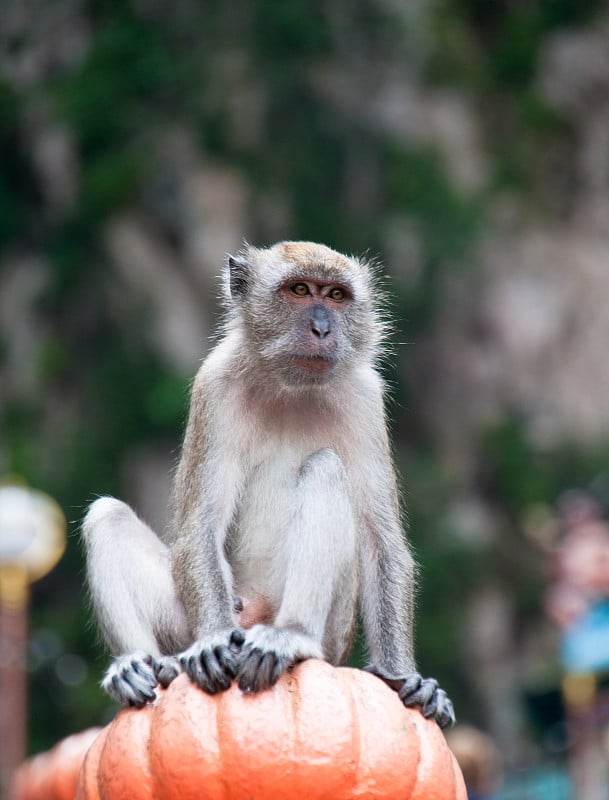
{"type": "Point", "coordinates": [32, 540]}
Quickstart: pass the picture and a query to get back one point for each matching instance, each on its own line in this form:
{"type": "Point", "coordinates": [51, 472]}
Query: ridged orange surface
{"type": "Point", "coordinates": [53, 775]}
{"type": "Point", "coordinates": [322, 732]}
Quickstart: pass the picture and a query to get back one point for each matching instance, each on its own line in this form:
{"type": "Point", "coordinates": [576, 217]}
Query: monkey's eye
{"type": "Point", "coordinates": [337, 295]}
{"type": "Point", "coordinates": [301, 289]}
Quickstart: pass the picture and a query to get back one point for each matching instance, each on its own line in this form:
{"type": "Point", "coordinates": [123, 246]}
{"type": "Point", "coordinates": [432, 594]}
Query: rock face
{"type": "Point", "coordinates": [528, 339]}
{"type": "Point", "coordinates": [524, 331]}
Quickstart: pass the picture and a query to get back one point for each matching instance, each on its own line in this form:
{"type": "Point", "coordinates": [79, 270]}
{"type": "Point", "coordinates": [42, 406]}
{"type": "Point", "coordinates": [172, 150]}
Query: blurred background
{"type": "Point", "coordinates": [463, 143]}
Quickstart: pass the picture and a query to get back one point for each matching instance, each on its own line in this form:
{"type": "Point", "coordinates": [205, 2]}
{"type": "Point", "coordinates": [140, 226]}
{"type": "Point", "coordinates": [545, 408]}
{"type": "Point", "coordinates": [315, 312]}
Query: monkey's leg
{"type": "Point", "coordinates": [315, 563]}
{"type": "Point", "coordinates": [134, 600]}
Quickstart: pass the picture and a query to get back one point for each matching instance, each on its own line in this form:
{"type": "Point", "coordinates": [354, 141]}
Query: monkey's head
{"type": "Point", "coordinates": [308, 312]}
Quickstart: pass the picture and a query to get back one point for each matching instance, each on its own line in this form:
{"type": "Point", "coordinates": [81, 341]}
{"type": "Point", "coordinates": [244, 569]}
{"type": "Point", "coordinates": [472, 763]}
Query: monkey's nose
{"type": "Point", "coordinates": [320, 322]}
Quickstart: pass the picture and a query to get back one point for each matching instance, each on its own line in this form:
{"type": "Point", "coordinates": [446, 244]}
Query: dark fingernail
{"type": "Point", "coordinates": [237, 637]}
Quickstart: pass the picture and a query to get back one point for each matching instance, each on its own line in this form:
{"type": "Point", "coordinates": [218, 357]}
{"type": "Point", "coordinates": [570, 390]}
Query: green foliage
{"type": "Point", "coordinates": [18, 422]}
{"type": "Point", "coordinates": [110, 181]}
{"type": "Point", "coordinates": [517, 475]}
{"type": "Point", "coordinates": [530, 128]}
{"type": "Point", "coordinates": [130, 68]}
{"type": "Point", "coordinates": [512, 33]}
{"type": "Point", "coordinates": [513, 471]}
{"type": "Point", "coordinates": [490, 50]}
{"type": "Point", "coordinates": [417, 183]}
{"type": "Point", "coordinates": [18, 195]}
{"type": "Point", "coordinates": [288, 33]}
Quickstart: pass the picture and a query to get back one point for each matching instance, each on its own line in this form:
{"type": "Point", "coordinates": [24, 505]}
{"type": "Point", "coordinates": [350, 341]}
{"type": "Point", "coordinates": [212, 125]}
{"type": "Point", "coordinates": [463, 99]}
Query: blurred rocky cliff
{"type": "Point", "coordinates": [464, 144]}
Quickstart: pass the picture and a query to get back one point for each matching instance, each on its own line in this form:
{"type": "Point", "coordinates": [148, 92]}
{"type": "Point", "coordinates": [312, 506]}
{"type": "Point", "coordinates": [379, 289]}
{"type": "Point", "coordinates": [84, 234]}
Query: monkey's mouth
{"type": "Point", "coordinates": [314, 365]}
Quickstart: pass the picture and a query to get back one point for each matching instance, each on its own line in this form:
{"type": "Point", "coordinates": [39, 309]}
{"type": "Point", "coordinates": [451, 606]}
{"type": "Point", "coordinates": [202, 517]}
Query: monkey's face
{"type": "Point", "coordinates": [311, 329]}
{"type": "Point", "coordinates": [306, 310]}
{"type": "Point", "coordinates": [313, 311]}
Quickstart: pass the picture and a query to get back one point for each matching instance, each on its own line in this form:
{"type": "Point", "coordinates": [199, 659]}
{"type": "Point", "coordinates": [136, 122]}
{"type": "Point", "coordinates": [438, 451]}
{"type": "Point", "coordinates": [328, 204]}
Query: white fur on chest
{"type": "Point", "coordinates": [266, 507]}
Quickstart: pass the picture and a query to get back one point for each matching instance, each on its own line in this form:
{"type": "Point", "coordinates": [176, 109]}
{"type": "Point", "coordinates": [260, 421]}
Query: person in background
{"type": "Point", "coordinates": [581, 561]}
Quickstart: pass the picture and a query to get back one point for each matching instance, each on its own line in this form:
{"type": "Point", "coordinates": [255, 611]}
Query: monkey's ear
{"type": "Point", "coordinates": [238, 274]}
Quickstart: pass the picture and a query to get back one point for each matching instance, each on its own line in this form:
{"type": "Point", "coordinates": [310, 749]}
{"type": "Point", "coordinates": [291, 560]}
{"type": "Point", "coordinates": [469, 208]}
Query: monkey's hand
{"type": "Point", "coordinates": [422, 692]}
{"type": "Point", "coordinates": [211, 662]}
{"type": "Point", "coordinates": [131, 679]}
{"type": "Point", "coordinates": [267, 652]}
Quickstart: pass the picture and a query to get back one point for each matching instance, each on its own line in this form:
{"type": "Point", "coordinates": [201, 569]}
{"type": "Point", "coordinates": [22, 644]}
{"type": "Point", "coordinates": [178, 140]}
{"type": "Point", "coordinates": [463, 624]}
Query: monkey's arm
{"type": "Point", "coordinates": [204, 498]}
{"type": "Point", "coordinates": [387, 582]}
{"type": "Point", "coordinates": [387, 586]}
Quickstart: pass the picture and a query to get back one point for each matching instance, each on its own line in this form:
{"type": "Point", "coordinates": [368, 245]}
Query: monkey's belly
{"type": "Point", "coordinates": [254, 610]}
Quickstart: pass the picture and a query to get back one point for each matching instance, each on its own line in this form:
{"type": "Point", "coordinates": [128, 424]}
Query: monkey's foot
{"type": "Point", "coordinates": [211, 662]}
{"type": "Point", "coordinates": [424, 693]}
{"type": "Point", "coordinates": [130, 680]}
{"type": "Point", "coordinates": [433, 701]}
{"type": "Point", "coordinates": [267, 652]}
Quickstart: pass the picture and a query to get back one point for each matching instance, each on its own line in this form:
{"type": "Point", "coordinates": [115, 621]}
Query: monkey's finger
{"type": "Point", "coordinates": [197, 674]}
{"type": "Point", "coordinates": [430, 708]}
{"type": "Point", "coordinates": [445, 713]}
{"type": "Point", "coordinates": [438, 706]}
{"type": "Point", "coordinates": [141, 698]}
{"type": "Point", "coordinates": [410, 686]}
{"type": "Point", "coordinates": [227, 660]}
{"type": "Point", "coordinates": [119, 691]}
{"type": "Point", "coordinates": [166, 670]}
{"type": "Point", "coordinates": [137, 683]}
{"type": "Point", "coordinates": [237, 637]}
{"type": "Point", "coordinates": [263, 678]}
{"type": "Point", "coordinates": [142, 671]}
{"type": "Point", "coordinates": [425, 693]}
{"type": "Point", "coordinates": [281, 664]}
{"type": "Point", "coordinates": [214, 670]}
{"type": "Point", "coordinates": [128, 689]}
{"type": "Point", "coordinates": [248, 669]}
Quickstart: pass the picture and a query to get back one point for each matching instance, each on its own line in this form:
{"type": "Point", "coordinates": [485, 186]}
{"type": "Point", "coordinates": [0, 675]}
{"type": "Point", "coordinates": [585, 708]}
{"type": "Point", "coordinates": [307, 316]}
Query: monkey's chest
{"type": "Point", "coordinates": [255, 544]}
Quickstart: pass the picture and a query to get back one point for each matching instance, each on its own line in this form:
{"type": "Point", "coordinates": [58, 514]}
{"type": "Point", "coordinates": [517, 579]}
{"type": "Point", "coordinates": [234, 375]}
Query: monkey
{"type": "Point", "coordinates": [285, 511]}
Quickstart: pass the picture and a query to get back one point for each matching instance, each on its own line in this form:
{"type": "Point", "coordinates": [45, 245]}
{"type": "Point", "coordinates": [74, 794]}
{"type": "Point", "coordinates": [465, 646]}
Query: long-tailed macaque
{"type": "Point", "coordinates": [285, 513]}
